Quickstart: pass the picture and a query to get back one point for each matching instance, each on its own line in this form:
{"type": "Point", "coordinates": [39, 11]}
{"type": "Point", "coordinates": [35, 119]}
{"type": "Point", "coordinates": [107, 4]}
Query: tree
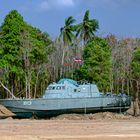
{"type": "Point", "coordinates": [24, 56]}
{"type": "Point", "coordinates": [121, 65]}
{"type": "Point", "coordinates": [97, 64]}
{"type": "Point", "coordinates": [135, 65]}
{"type": "Point", "coordinates": [67, 31]}
{"type": "Point", "coordinates": [67, 37]}
{"type": "Point", "coordinates": [10, 63]}
{"type": "Point", "coordinates": [34, 51]}
{"type": "Point", "coordinates": [86, 30]}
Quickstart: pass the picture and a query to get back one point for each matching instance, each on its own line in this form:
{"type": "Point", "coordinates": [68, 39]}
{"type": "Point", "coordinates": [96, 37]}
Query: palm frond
{"type": "Point", "coordinates": [95, 24]}
{"type": "Point", "coordinates": [61, 32]}
{"type": "Point", "coordinates": [86, 16]}
{"type": "Point", "coordinates": [69, 21]}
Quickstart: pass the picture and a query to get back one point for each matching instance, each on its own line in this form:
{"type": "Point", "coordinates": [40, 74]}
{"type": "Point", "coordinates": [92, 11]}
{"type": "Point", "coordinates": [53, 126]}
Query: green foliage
{"type": "Point", "coordinates": [86, 30]}
{"type": "Point", "coordinates": [23, 53]}
{"type": "Point", "coordinates": [39, 41]}
{"type": "Point", "coordinates": [135, 65]}
{"type": "Point", "coordinates": [67, 31]}
{"type": "Point", "coordinates": [97, 63]}
{"type": "Point", "coordinates": [10, 40]}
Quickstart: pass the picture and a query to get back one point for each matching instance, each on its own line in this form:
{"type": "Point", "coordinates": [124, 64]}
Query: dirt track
{"type": "Point", "coordinates": [70, 129]}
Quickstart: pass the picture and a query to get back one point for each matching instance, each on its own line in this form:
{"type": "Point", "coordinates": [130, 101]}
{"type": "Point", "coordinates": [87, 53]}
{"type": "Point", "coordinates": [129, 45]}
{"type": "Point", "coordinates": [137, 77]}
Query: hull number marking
{"type": "Point", "coordinates": [27, 102]}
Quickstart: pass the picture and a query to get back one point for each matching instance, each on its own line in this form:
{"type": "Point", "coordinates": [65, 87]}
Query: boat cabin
{"type": "Point", "coordinates": [68, 88]}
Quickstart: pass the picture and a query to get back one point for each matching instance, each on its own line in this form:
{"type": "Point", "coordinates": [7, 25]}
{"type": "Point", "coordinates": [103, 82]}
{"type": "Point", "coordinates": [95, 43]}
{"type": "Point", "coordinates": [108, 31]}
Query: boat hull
{"type": "Point", "coordinates": [50, 107]}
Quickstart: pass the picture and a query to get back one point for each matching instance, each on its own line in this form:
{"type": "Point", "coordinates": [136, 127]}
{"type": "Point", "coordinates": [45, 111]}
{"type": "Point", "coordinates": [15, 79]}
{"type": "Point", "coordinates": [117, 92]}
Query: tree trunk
{"type": "Point", "coordinates": [128, 92]}
{"type": "Point", "coordinates": [26, 86]}
{"type": "Point", "coordinates": [136, 102]}
{"type": "Point", "coordinates": [122, 85]}
{"type": "Point", "coordinates": [36, 83]}
{"type": "Point", "coordinates": [62, 62]}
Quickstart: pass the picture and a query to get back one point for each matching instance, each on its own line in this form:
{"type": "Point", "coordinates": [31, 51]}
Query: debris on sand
{"type": "Point", "coordinates": [96, 116]}
{"type": "Point", "coordinates": [4, 112]}
{"type": "Point", "coordinates": [109, 115]}
{"type": "Point", "coordinates": [70, 117]}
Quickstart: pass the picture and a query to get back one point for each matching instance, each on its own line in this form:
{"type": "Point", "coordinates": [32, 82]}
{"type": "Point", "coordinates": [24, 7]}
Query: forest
{"type": "Point", "coordinates": [30, 59]}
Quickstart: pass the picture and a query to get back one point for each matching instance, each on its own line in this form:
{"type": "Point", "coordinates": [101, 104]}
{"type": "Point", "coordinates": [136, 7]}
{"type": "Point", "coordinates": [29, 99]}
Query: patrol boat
{"type": "Point", "coordinates": [67, 96]}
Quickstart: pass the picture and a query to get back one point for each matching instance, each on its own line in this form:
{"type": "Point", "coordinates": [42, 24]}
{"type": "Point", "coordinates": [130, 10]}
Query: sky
{"type": "Point", "coordinates": [118, 17]}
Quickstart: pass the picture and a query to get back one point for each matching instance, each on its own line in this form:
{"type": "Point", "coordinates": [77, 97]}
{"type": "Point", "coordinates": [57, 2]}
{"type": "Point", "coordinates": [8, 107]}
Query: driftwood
{"type": "Point", "coordinates": [7, 90]}
{"type": "Point", "coordinates": [4, 112]}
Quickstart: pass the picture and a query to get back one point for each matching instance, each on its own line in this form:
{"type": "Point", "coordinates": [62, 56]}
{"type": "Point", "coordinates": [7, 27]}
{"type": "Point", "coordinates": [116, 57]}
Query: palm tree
{"type": "Point", "coordinates": [67, 31]}
{"type": "Point", "coordinates": [86, 30]}
{"type": "Point", "coordinates": [67, 36]}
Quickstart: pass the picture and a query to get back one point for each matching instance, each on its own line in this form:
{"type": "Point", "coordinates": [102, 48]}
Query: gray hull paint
{"type": "Point", "coordinates": [50, 106]}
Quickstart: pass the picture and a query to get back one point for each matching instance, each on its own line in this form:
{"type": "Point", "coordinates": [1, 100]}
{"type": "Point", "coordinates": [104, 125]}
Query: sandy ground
{"type": "Point", "coordinates": [100, 129]}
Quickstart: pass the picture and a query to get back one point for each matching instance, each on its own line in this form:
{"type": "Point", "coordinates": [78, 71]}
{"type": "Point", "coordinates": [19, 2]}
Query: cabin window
{"type": "Point", "coordinates": [75, 90]}
{"type": "Point", "coordinates": [79, 89]}
{"type": "Point", "coordinates": [49, 88]}
{"type": "Point", "coordinates": [58, 88]}
{"type": "Point", "coordinates": [63, 87]}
